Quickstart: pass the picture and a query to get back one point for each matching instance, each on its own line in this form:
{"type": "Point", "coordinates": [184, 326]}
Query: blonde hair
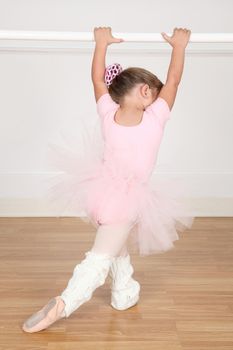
{"type": "Point", "coordinates": [128, 78]}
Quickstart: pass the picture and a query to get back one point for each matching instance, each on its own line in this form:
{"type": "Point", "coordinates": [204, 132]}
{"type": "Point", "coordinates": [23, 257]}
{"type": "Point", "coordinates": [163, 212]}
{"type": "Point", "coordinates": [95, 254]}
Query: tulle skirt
{"type": "Point", "coordinates": [90, 186]}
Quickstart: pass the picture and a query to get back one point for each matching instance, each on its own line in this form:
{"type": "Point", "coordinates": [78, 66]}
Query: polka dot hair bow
{"type": "Point", "coordinates": [111, 72]}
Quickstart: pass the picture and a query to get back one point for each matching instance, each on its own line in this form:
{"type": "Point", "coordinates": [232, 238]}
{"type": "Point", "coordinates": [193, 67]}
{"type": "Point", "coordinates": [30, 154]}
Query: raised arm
{"type": "Point", "coordinates": [103, 38]}
{"type": "Point", "coordinates": [178, 41]}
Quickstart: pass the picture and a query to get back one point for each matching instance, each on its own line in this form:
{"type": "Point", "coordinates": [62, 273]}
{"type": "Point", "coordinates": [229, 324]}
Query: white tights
{"type": "Point", "coordinates": [112, 239]}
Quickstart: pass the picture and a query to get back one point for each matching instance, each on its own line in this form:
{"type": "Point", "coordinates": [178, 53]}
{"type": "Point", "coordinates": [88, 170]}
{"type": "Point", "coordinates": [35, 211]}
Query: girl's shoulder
{"type": "Point", "coordinates": [160, 110]}
{"type": "Point", "coordinates": [105, 104]}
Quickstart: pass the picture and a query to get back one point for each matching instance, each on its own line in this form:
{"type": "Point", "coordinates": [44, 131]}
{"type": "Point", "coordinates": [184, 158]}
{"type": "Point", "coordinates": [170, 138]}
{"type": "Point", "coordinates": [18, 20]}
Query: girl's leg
{"type": "Point", "coordinates": [125, 289]}
{"type": "Point", "coordinates": [123, 251]}
{"type": "Point", "coordinates": [92, 272]}
{"type": "Point", "coordinates": [112, 239]}
{"type": "Point", "coordinates": [87, 276]}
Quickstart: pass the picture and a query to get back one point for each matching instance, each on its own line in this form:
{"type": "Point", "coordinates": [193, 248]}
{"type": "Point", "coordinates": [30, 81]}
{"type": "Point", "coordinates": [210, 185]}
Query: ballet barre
{"type": "Point", "coordinates": [128, 37]}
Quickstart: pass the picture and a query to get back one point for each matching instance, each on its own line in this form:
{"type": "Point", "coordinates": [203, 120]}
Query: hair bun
{"type": "Point", "coordinates": [111, 72]}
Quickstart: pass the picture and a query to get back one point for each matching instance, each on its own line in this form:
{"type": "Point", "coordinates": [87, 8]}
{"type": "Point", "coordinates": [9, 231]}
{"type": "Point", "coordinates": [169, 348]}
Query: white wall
{"type": "Point", "coordinates": [42, 90]}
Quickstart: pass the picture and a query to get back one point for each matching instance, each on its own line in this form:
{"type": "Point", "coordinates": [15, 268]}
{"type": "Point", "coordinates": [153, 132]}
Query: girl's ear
{"type": "Point", "coordinates": [145, 90]}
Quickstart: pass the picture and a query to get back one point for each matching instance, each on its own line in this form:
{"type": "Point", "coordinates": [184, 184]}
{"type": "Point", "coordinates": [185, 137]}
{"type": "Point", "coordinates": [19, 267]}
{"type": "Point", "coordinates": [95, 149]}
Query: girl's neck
{"type": "Point", "coordinates": [131, 110]}
{"type": "Point", "coordinates": [129, 116]}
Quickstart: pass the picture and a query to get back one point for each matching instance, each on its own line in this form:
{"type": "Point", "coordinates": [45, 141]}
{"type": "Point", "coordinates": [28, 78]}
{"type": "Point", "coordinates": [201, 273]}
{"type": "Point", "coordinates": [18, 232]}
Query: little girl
{"type": "Point", "coordinates": [115, 190]}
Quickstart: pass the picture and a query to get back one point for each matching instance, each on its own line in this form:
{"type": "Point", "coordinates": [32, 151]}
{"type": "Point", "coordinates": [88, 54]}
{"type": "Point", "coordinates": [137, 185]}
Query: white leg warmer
{"type": "Point", "coordinates": [87, 276]}
{"type": "Point", "coordinates": [125, 289]}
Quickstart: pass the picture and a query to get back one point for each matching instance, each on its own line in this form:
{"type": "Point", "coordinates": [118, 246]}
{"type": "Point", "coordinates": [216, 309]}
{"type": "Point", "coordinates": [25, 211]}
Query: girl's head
{"type": "Point", "coordinates": [135, 85]}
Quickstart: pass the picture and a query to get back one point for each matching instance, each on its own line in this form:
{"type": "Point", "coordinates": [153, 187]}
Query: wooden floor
{"type": "Point", "coordinates": [186, 297]}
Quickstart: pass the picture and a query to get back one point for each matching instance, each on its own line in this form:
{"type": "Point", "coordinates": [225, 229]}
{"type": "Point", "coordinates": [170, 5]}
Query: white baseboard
{"type": "Point", "coordinates": [206, 194]}
{"type": "Point", "coordinates": [38, 207]}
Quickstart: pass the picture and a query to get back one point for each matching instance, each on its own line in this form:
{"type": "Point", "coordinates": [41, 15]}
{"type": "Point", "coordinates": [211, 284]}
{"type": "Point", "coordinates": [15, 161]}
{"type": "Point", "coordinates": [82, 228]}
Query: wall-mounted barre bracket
{"type": "Point", "coordinates": [128, 37]}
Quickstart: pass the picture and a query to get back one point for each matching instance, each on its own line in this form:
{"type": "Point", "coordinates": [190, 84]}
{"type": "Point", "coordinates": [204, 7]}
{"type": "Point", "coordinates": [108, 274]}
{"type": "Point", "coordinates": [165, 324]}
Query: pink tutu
{"type": "Point", "coordinates": [107, 194]}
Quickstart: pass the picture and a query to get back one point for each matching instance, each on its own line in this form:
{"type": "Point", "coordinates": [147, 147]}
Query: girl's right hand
{"type": "Point", "coordinates": [180, 37]}
{"type": "Point", "coordinates": [103, 35]}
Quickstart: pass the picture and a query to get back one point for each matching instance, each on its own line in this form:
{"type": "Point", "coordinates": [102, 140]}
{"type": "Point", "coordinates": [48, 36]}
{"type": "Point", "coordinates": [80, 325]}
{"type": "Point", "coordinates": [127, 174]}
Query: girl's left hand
{"type": "Point", "coordinates": [180, 37]}
{"type": "Point", "coordinates": [103, 35]}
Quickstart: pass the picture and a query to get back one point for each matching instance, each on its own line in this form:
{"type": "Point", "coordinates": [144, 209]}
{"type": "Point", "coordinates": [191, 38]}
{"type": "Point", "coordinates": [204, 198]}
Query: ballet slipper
{"type": "Point", "coordinates": [50, 313]}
